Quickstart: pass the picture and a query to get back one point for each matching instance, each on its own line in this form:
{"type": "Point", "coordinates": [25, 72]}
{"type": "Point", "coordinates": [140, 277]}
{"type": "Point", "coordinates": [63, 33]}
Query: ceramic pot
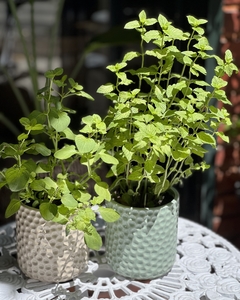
{"type": "Point", "coordinates": [142, 243]}
{"type": "Point", "coordinates": [44, 251]}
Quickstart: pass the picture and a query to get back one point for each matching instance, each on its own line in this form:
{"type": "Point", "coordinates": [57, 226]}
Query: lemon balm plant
{"type": "Point", "coordinates": [161, 118]}
{"type": "Point", "coordinates": [45, 171]}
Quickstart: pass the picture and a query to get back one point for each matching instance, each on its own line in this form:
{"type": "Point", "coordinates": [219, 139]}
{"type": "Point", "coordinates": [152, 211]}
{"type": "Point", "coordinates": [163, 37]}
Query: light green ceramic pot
{"type": "Point", "coordinates": [142, 243]}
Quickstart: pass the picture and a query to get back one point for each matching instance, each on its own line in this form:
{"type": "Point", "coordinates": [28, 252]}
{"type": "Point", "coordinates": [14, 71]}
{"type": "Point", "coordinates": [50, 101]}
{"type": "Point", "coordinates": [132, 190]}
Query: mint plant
{"type": "Point", "coordinates": [160, 119]}
{"type": "Point", "coordinates": [42, 174]}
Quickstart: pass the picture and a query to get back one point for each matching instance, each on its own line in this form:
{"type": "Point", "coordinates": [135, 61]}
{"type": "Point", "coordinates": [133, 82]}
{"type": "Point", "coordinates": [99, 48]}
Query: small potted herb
{"type": "Point", "coordinates": [161, 118]}
{"type": "Point", "coordinates": [50, 174]}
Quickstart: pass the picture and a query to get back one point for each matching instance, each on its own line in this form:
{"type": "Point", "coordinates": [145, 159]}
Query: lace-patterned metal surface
{"type": "Point", "coordinates": [207, 267]}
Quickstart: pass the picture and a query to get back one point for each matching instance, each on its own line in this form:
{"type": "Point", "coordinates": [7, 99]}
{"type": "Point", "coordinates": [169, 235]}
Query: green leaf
{"type": "Point", "coordinates": [163, 22]}
{"type": "Point", "coordinates": [108, 214]}
{"type": "Point", "coordinates": [85, 145]}
{"type": "Point", "coordinates": [142, 16]}
{"type": "Point", "coordinates": [218, 83]}
{"type": "Point", "coordinates": [174, 33]}
{"type": "Point", "coordinates": [61, 122]}
{"type": "Point", "coordinates": [158, 93]}
{"type": "Point", "coordinates": [93, 239]}
{"type": "Point", "coordinates": [130, 55]}
{"type": "Point", "coordinates": [136, 175]}
{"type": "Point", "coordinates": [206, 138]}
{"type": "Point", "coordinates": [38, 185]}
{"type": "Point", "coordinates": [106, 88]}
{"type": "Point", "coordinates": [132, 25]}
{"type": "Point", "coordinates": [150, 21]}
{"type": "Point", "coordinates": [12, 208]}
{"type": "Point", "coordinates": [69, 201]}
{"type": "Point", "coordinates": [22, 136]}
{"type": "Point", "coordinates": [149, 165]}
{"type": "Point", "coordinates": [49, 183]}
{"type": "Point", "coordinates": [66, 152]}
{"type": "Point", "coordinates": [127, 153]}
{"type": "Point", "coordinates": [48, 210]}
{"type": "Point", "coordinates": [101, 188]}
{"type": "Point", "coordinates": [108, 159]}
{"type": "Point", "coordinates": [85, 95]}
{"type": "Point", "coordinates": [195, 22]}
{"type": "Point", "coordinates": [117, 67]}
{"type": "Point", "coordinates": [17, 178]}
{"type": "Point", "coordinates": [228, 56]}
{"type": "Point", "coordinates": [180, 154]}
{"type": "Point", "coordinates": [42, 149]}
{"type": "Point", "coordinates": [69, 134]}
{"type": "Point", "coordinates": [223, 136]}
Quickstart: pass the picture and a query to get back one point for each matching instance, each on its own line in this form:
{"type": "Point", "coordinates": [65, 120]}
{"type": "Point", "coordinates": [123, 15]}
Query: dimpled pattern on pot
{"type": "Point", "coordinates": [45, 252]}
{"type": "Point", "coordinates": [142, 243]}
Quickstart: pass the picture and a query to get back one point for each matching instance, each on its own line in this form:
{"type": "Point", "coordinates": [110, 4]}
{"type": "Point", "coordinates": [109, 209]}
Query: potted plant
{"type": "Point", "coordinates": [160, 120]}
{"type": "Point", "coordinates": [55, 186]}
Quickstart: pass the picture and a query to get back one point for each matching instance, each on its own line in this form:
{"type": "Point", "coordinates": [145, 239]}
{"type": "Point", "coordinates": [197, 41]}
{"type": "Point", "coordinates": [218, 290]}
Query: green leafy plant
{"type": "Point", "coordinates": [161, 116]}
{"type": "Point", "coordinates": [45, 175]}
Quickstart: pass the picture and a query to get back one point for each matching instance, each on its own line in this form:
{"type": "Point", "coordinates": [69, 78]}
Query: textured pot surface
{"type": "Point", "coordinates": [45, 252]}
{"type": "Point", "coordinates": [142, 243]}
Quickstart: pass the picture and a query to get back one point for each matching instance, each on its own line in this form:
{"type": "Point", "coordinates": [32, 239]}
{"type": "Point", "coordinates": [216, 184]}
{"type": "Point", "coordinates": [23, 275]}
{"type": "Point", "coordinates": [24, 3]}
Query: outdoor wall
{"type": "Point", "coordinates": [226, 213]}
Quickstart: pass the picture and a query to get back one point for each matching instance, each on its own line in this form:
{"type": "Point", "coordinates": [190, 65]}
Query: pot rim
{"type": "Point", "coordinates": [175, 198]}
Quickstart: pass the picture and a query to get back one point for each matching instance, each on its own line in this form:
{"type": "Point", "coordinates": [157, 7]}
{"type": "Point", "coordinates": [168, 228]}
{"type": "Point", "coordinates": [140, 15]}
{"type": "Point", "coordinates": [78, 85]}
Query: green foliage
{"type": "Point", "coordinates": [161, 115]}
{"type": "Point", "coordinates": [42, 175]}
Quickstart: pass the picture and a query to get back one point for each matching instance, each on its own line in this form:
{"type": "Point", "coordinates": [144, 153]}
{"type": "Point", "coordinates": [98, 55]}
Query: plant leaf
{"type": "Point", "coordinates": [48, 210]}
{"type": "Point", "coordinates": [93, 239]}
{"type": "Point", "coordinates": [65, 152]}
{"type": "Point", "coordinates": [108, 214]}
{"type": "Point", "coordinates": [12, 208]}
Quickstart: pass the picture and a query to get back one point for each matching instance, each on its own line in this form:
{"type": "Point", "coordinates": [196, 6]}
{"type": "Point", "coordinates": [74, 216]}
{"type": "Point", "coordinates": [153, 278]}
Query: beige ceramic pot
{"type": "Point", "coordinates": [45, 252]}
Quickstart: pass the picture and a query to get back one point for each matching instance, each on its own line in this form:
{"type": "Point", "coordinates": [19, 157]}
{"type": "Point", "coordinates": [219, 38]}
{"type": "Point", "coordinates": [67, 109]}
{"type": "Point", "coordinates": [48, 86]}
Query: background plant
{"type": "Point", "coordinates": [42, 174]}
{"type": "Point", "coordinates": [160, 118]}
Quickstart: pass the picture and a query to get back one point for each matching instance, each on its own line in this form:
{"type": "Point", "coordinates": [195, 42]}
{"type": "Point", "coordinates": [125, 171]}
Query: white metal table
{"type": "Point", "coordinates": [207, 267]}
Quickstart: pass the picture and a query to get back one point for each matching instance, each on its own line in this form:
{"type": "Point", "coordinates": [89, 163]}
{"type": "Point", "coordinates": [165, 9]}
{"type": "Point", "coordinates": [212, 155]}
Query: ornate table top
{"type": "Point", "coordinates": [207, 267]}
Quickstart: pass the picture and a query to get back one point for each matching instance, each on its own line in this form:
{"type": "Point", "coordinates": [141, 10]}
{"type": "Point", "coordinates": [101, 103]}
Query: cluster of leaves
{"type": "Point", "coordinates": [41, 175]}
{"type": "Point", "coordinates": [161, 119]}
